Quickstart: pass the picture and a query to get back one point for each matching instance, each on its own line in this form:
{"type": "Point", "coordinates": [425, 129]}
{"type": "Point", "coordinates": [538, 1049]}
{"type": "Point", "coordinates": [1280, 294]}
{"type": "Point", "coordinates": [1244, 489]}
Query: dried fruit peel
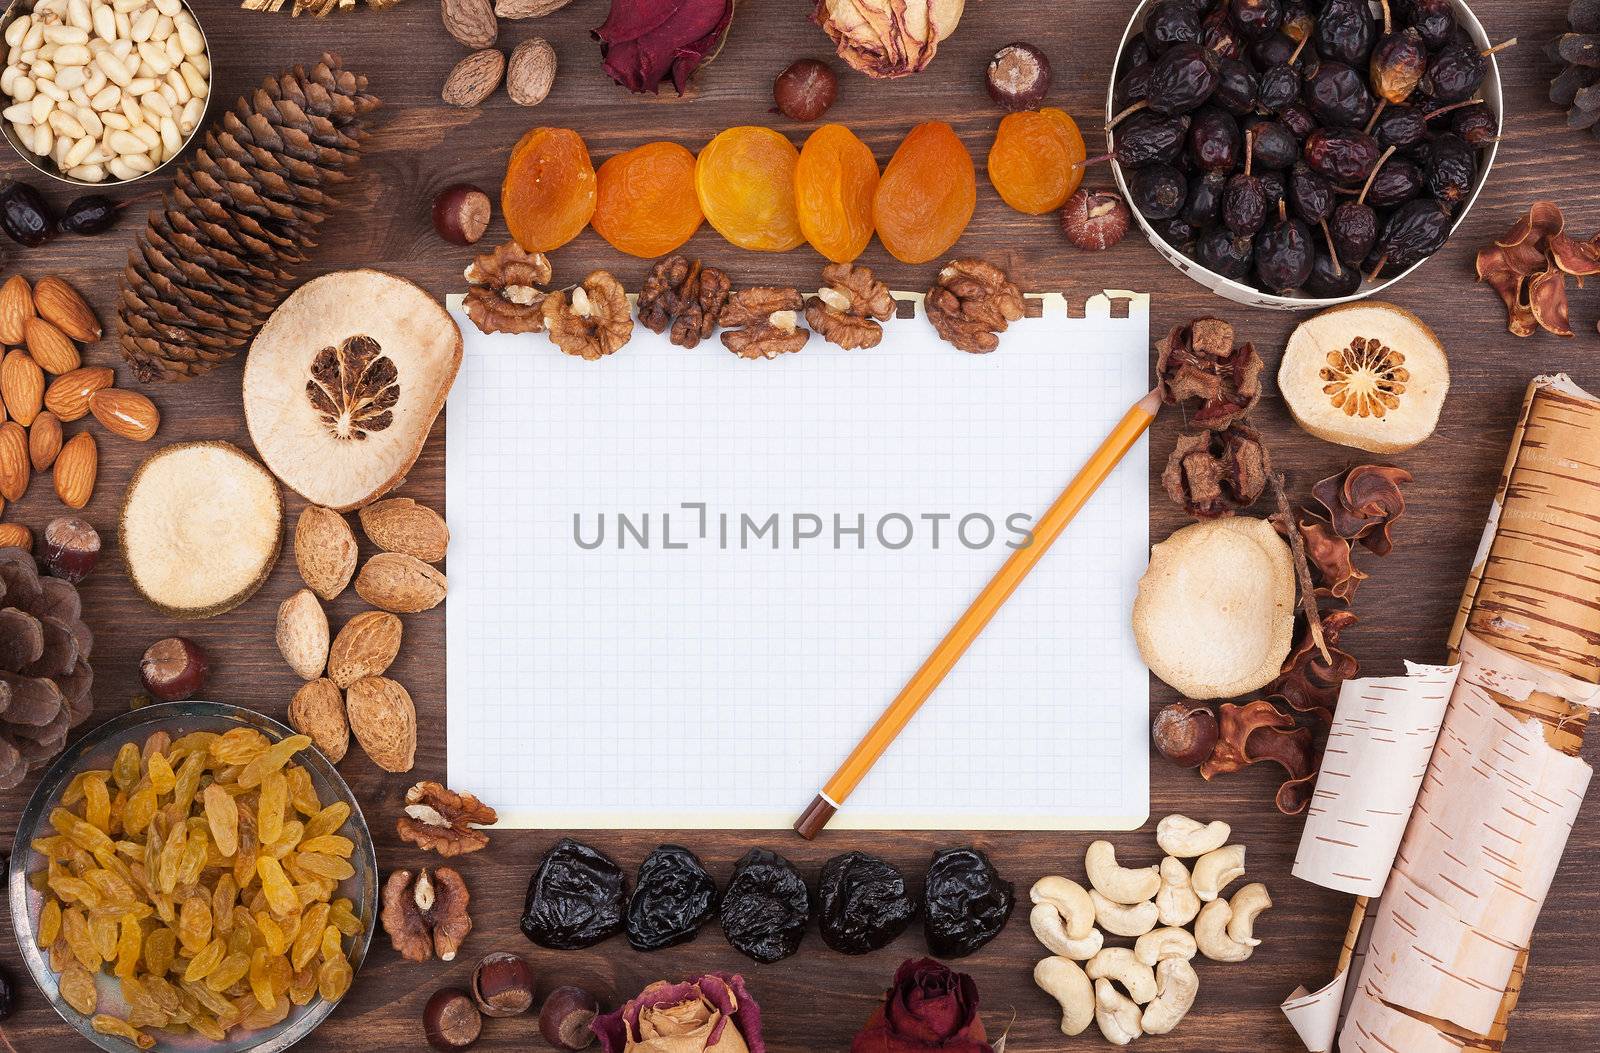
{"type": "Point", "coordinates": [1035, 161]}
{"type": "Point", "coordinates": [548, 195]}
{"type": "Point", "coordinates": [645, 200]}
{"type": "Point", "coordinates": [926, 196]}
{"type": "Point", "coordinates": [834, 185]}
{"type": "Point", "coordinates": [744, 179]}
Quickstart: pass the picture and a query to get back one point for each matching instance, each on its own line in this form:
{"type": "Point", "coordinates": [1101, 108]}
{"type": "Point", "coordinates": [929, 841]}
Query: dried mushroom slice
{"type": "Point", "coordinates": [1368, 375]}
{"type": "Point", "coordinates": [343, 384]}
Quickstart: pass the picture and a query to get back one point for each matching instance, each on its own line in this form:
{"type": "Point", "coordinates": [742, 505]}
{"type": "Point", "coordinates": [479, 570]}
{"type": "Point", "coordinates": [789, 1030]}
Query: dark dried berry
{"type": "Point", "coordinates": [1284, 254]}
{"type": "Point", "coordinates": [25, 216]}
{"type": "Point", "coordinates": [1330, 279]}
{"type": "Point", "coordinates": [1275, 50]}
{"type": "Point", "coordinates": [863, 903]}
{"type": "Point", "coordinates": [672, 898]}
{"type": "Point", "coordinates": [1400, 127]}
{"type": "Point", "coordinates": [1341, 155]}
{"type": "Point", "coordinates": [1019, 76]}
{"type": "Point", "coordinates": [1183, 77]}
{"type": "Point", "coordinates": [1157, 191]}
{"type": "Point", "coordinates": [766, 907]}
{"type": "Point", "coordinates": [1397, 64]}
{"type": "Point", "coordinates": [1275, 185]}
{"type": "Point", "coordinates": [1150, 138]}
{"type": "Point", "coordinates": [1226, 253]}
{"type": "Point", "coordinates": [1454, 73]}
{"type": "Point", "coordinates": [1452, 168]}
{"type": "Point", "coordinates": [1218, 36]}
{"type": "Point", "coordinates": [1396, 180]}
{"type": "Point", "coordinates": [8, 995]}
{"type": "Point", "coordinates": [1476, 124]}
{"type": "Point", "coordinates": [1202, 207]}
{"type": "Point", "coordinates": [1338, 96]}
{"type": "Point", "coordinates": [1298, 20]}
{"type": "Point", "coordinates": [576, 898]}
{"type": "Point", "coordinates": [1175, 232]}
{"type": "Point", "coordinates": [1273, 145]}
{"type": "Point", "coordinates": [1434, 20]}
{"type": "Point", "coordinates": [1136, 52]}
{"type": "Point", "coordinates": [966, 903]}
{"type": "Point", "coordinates": [90, 214]}
{"type": "Point", "coordinates": [1354, 227]}
{"type": "Point", "coordinates": [1280, 85]}
{"type": "Point", "coordinates": [1345, 32]}
{"type": "Point", "coordinates": [1171, 22]}
{"type": "Point", "coordinates": [1237, 89]}
{"type": "Point", "coordinates": [1256, 18]}
{"type": "Point", "coordinates": [1244, 202]}
{"type": "Point", "coordinates": [1412, 233]}
{"type": "Point", "coordinates": [1310, 195]}
{"type": "Point", "coordinates": [1214, 140]}
{"type": "Point", "coordinates": [1132, 86]}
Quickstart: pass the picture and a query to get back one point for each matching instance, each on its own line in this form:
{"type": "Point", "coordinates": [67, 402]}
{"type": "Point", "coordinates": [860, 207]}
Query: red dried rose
{"type": "Point", "coordinates": [1214, 473]}
{"type": "Point", "coordinates": [644, 41]}
{"type": "Point", "coordinates": [929, 1007]}
{"type": "Point", "coordinates": [1200, 361]}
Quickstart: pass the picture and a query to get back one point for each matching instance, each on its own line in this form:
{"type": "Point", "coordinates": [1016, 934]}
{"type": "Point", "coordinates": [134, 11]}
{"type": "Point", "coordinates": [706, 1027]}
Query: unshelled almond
{"type": "Point", "coordinates": [16, 307]}
{"type": "Point", "coordinates": [15, 535]}
{"type": "Point", "coordinates": [366, 646]}
{"type": "Point", "coordinates": [44, 440]}
{"type": "Point", "coordinates": [50, 347]}
{"type": "Point", "coordinates": [394, 581]}
{"type": "Point", "coordinates": [317, 710]}
{"type": "Point", "coordinates": [324, 550]}
{"type": "Point", "coordinates": [68, 395]}
{"type": "Point", "coordinates": [75, 469]}
{"type": "Point", "coordinates": [15, 468]}
{"type": "Point", "coordinates": [125, 413]}
{"type": "Point", "coordinates": [21, 386]}
{"type": "Point", "coordinates": [303, 634]}
{"type": "Point", "coordinates": [60, 304]}
{"type": "Point", "coordinates": [399, 524]}
{"type": "Point", "coordinates": [384, 720]}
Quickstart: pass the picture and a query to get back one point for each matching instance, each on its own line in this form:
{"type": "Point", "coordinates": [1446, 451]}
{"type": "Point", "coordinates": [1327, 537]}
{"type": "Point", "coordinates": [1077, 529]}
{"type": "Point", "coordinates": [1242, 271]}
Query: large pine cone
{"type": "Point", "coordinates": [45, 678]}
{"type": "Point", "coordinates": [210, 265]}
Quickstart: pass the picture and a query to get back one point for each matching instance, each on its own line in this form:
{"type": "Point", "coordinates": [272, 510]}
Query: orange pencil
{"type": "Point", "coordinates": [955, 643]}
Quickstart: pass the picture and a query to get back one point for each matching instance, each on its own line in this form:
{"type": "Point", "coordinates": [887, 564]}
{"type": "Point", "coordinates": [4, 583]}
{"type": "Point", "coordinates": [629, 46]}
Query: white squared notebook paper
{"type": "Point", "coordinates": [683, 585]}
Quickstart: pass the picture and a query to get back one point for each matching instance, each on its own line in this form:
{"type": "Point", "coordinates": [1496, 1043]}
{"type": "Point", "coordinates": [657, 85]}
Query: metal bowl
{"type": "Point", "coordinates": [1248, 294]}
{"type": "Point", "coordinates": [45, 166]}
{"type": "Point", "coordinates": [96, 750]}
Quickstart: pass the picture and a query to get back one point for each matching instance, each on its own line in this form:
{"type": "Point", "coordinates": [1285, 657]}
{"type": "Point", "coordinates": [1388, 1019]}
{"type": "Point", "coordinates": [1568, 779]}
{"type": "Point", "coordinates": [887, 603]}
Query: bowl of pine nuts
{"type": "Point", "coordinates": [102, 92]}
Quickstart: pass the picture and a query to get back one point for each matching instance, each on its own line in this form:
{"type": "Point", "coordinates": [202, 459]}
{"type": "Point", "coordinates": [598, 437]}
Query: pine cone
{"type": "Point", "coordinates": [45, 678]}
{"type": "Point", "coordinates": [213, 261]}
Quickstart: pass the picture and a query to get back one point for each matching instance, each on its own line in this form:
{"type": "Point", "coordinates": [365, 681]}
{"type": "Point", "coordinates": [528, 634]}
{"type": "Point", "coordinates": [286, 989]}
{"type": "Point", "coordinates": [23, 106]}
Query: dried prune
{"type": "Point", "coordinates": [672, 898]}
{"type": "Point", "coordinates": [1284, 254]}
{"type": "Point", "coordinates": [766, 907]}
{"type": "Point", "coordinates": [1400, 127]}
{"type": "Point", "coordinates": [1183, 77]}
{"type": "Point", "coordinates": [1256, 18]}
{"type": "Point", "coordinates": [1412, 233]}
{"type": "Point", "coordinates": [863, 903]}
{"type": "Point", "coordinates": [1345, 32]}
{"type": "Point", "coordinates": [1397, 64]}
{"type": "Point", "coordinates": [1354, 227]}
{"type": "Point", "coordinates": [1203, 205]}
{"type": "Point", "coordinates": [1330, 279]}
{"type": "Point", "coordinates": [1158, 191]}
{"type": "Point", "coordinates": [1237, 87]}
{"type": "Point", "coordinates": [1132, 86]}
{"type": "Point", "coordinates": [1309, 194]}
{"type": "Point", "coordinates": [1214, 140]}
{"type": "Point", "coordinates": [1396, 180]}
{"type": "Point", "coordinates": [1298, 120]}
{"type": "Point", "coordinates": [1342, 155]}
{"type": "Point", "coordinates": [1455, 72]}
{"type": "Point", "coordinates": [965, 903]}
{"type": "Point", "coordinates": [1226, 253]}
{"type": "Point", "coordinates": [1452, 167]}
{"type": "Point", "coordinates": [1273, 144]}
{"type": "Point", "coordinates": [576, 898]}
{"type": "Point", "coordinates": [1476, 124]}
{"type": "Point", "coordinates": [1171, 22]}
{"type": "Point", "coordinates": [1338, 96]}
{"type": "Point", "coordinates": [1147, 138]}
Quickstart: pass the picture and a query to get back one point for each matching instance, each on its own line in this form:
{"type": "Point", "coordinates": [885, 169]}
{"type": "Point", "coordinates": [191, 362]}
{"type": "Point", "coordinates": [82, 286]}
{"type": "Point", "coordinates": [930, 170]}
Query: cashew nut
{"type": "Point", "coordinates": [1177, 985]}
{"type": "Point", "coordinates": [1216, 869]}
{"type": "Point", "coordinates": [1176, 903]}
{"type": "Point", "coordinates": [1064, 981]}
{"type": "Point", "coordinates": [1117, 883]}
{"type": "Point", "coordinates": [1070, 899]}
{"type": "Point", "coordinates": [1180, 836]}
{"type": "Point", "coordinates": [1116, 1013]}
{"type": "Point", "coordinates": [1119, 964]}
{"type": "Point", "coordinates": [1211, 934]}
{"type": "Point", "coordinates": [1247, 904]}
{"type": "Point", "coordinates": [1119, 919]}
{"type": "Point", "coordinates": [1050, 930]}
{"type": "Point", "coordinates": [1158, 945]}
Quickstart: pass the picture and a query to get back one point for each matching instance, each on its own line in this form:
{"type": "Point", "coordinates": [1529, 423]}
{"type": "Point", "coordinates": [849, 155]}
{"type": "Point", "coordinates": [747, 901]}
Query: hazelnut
{"type": "Point", "coordinates": [805, 90]}
{"type": "Point", "coordinates": [1185, 733]}
{"type": "Point", "coordinates": [1019, 76]}
{"type": "Point", "coordinates": [1095, 219]}
{"type": "Point", "coordinates": [564, 1021]}
{"type": "Point", "coordinates": [450, 1020]}
{"type": "Point", "coordinates": [502, 984]}
{"type": "Point", "coordinates": [174, 669]}
{"type": "Point", "coordinates": [461, 213]}
{"type": "Point", "coordinates": [69, 548]}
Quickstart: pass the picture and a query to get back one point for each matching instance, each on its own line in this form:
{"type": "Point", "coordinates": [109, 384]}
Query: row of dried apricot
{"type": "Point", "coordinates": [760, 193]}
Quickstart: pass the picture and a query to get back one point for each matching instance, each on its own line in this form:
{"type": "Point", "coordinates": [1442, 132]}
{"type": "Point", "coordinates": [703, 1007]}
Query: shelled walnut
{"type": "Point", "coordinates": [685, 296]}
{"type": "Point", "coordinates": [764, 323]}
{"type": "Point", "coordinates": [506, 294]}
{"type": "Point", "coordinates": [848, 309]}
{"type": "Point", "coordinates": [425, 913]}
{"type": "Point", "coordinates": [441, 820]}
{"type": "Point", "coordinates": [972, 303]}
{"type": "Point", "coordinates": [593, 321]}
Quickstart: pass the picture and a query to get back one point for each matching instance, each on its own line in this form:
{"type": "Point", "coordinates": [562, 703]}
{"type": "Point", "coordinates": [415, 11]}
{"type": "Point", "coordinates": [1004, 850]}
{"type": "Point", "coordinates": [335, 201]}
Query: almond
{"type": "Point", "coordinates": [75, 467]}
{"type": "Point", "coordinates": [125, 413]}
{"type": "Point", "coordinates": [50, 347]}
{"type": "Point", "coordinates": [303, 634]}
{"type": "Point", "coordinates": [384, 721]}
{"type": "Point", "coordinates": [15, 469]}
{"type": "Point", "coordinates": [324, 550]}
{"type": "Point", "coordinates": [44, 440]}
{"type": "Point", "coordinates": [366, 646]}
{"type": "Point", "coordinates": [401, 525]}
{"type": "Point", "coordinates": [21, 386]}
{"type": "Point", "coordinates": [474, 78]}
{"type": "Point", "coordinates": [68, 395]}
{"type": "Point", "coordinates": [15, 535]}
{"type": "Point", "coordinates": [317, 710]}
{"type": "Point", "coordinates": [16, 307]}
{"type": "Point", "coordinates": [394, 581]}
{"type": "Point", "coordinates": [60, 304]}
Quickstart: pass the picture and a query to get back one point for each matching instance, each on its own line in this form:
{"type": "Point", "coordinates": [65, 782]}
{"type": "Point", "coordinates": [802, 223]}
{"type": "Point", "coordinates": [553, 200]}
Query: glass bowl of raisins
{"type": "Point", "coordinates": [1295, 154]}
{"type": "Point", "coordinates": [193, 875]}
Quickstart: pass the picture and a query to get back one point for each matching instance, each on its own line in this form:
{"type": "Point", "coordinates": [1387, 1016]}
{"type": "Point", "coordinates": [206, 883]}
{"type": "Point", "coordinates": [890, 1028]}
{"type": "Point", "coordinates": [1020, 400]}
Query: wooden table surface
{"type": "Point", "coordinates": [817, 1000]}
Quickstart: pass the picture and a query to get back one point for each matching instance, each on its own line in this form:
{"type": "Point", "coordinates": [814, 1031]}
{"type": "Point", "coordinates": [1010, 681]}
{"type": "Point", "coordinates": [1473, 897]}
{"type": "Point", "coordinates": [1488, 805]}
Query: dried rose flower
{"type": "Point", "coordinates": [714, 1013]}
{"type": "Point", "coordinates": [888, 38]}
{"type": "Point", "coordinates": [644, 41]}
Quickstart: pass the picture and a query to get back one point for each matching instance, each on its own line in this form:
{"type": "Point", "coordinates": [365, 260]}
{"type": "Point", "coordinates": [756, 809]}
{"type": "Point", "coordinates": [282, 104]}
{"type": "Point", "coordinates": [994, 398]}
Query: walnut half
{"type": "Point", "coordinates": [440, 820]}
{"type": "Point", "coordinates": [764, 322]}
{"type": "Point", "coordinates": [506, 296]}
{"type": "Point", "coordinates": [682, 294]}
{"type": "Point", "coordinates": [972, 303]}
{"type": "Point", "coordinates": [848, 309]}
{"type": "Point", "coordinates": [425, 913]}
{"type": "Point", "coordinates": [594, 321]}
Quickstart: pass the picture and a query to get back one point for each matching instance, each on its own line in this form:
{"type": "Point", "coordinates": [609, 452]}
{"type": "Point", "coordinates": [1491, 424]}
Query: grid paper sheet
{"type": "Point", "coordinates": [706, 665]}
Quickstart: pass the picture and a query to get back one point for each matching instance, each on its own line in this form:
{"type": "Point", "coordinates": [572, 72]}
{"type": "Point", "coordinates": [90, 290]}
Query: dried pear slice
{"type": "Point", "coordinates": [1369, 375]}
{"type": "Point", "coordinates": [200, 528]}
{"type": "Point", "coordinates": [344, 382]}
{"type": "Point", "coordinates": [1214, 616]}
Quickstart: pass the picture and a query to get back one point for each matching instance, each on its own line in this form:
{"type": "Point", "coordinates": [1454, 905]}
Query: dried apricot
{"type": "Point", "coordinates": [1034, 162]}
{"type": "Point", "coordinates": [646, 204]}
{"type": "Point", "coordinates": [926, 196]}
{"type": "Point", "coordinates": [834, 182]}
{"type": "Point", "coordinates": [549, 191]}
{"type": "Point", "coordinates": [744, 179]}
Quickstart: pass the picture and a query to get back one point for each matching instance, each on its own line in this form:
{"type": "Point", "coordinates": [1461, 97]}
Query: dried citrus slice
{"type": "Point", "coordinates": [646, 204]}
{"type": "Point", "coordinates": [1034, 162]}
{"type": "Point", "coordinates": [549, 190]}
{"type": "Point", "coordinates": [745, 181]}
{"type": "Point", "coordinates": [926, 196]}
{"type": "Point", "coordinates": [833, 188]}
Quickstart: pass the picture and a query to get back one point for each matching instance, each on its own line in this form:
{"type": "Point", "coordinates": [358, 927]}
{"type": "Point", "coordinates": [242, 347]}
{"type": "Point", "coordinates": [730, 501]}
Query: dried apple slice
{"type": "Point", "coordinates": [200, 528]}
{"type": "Point", "coordinates": [344, 381]}
{"type": "Point", "coordinates": [1369, 375]}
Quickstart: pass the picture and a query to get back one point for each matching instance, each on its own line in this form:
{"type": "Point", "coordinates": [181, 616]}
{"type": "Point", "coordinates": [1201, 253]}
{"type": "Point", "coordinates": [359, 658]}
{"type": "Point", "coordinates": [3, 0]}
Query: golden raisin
{"type": "Point", "coordinates": [1033, 163]}
{"type": "Point", "coordinates": [549, 191]}
{"type": "Point", "coordinates": [646, 204]}
{"type": "Point", "coordinates": [926, 196]}
{"type": "Point", "coordinates": [744, 179]}
{"type": "Point", "coordinates": [834, 183]}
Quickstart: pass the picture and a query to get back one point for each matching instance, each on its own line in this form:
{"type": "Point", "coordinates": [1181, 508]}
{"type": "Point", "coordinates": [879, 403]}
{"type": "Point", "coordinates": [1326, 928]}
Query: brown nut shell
{"type": "Point", "coordinates": [394, 581]}
{"type": "Point", "coordinates": [384, 721]}
{"type": "Point", "coordinates": [399, 524]}
{"type": "Point", "coordinates": [366, 646]}
{"type": "Point", "coordinates": [474, 78]}
{"type": "Point", "coordinates": [317, 710]}
{"type": "Point", "coordinates": [531, 72]}
{"type": "Point", "coordinates": [324, 550]}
